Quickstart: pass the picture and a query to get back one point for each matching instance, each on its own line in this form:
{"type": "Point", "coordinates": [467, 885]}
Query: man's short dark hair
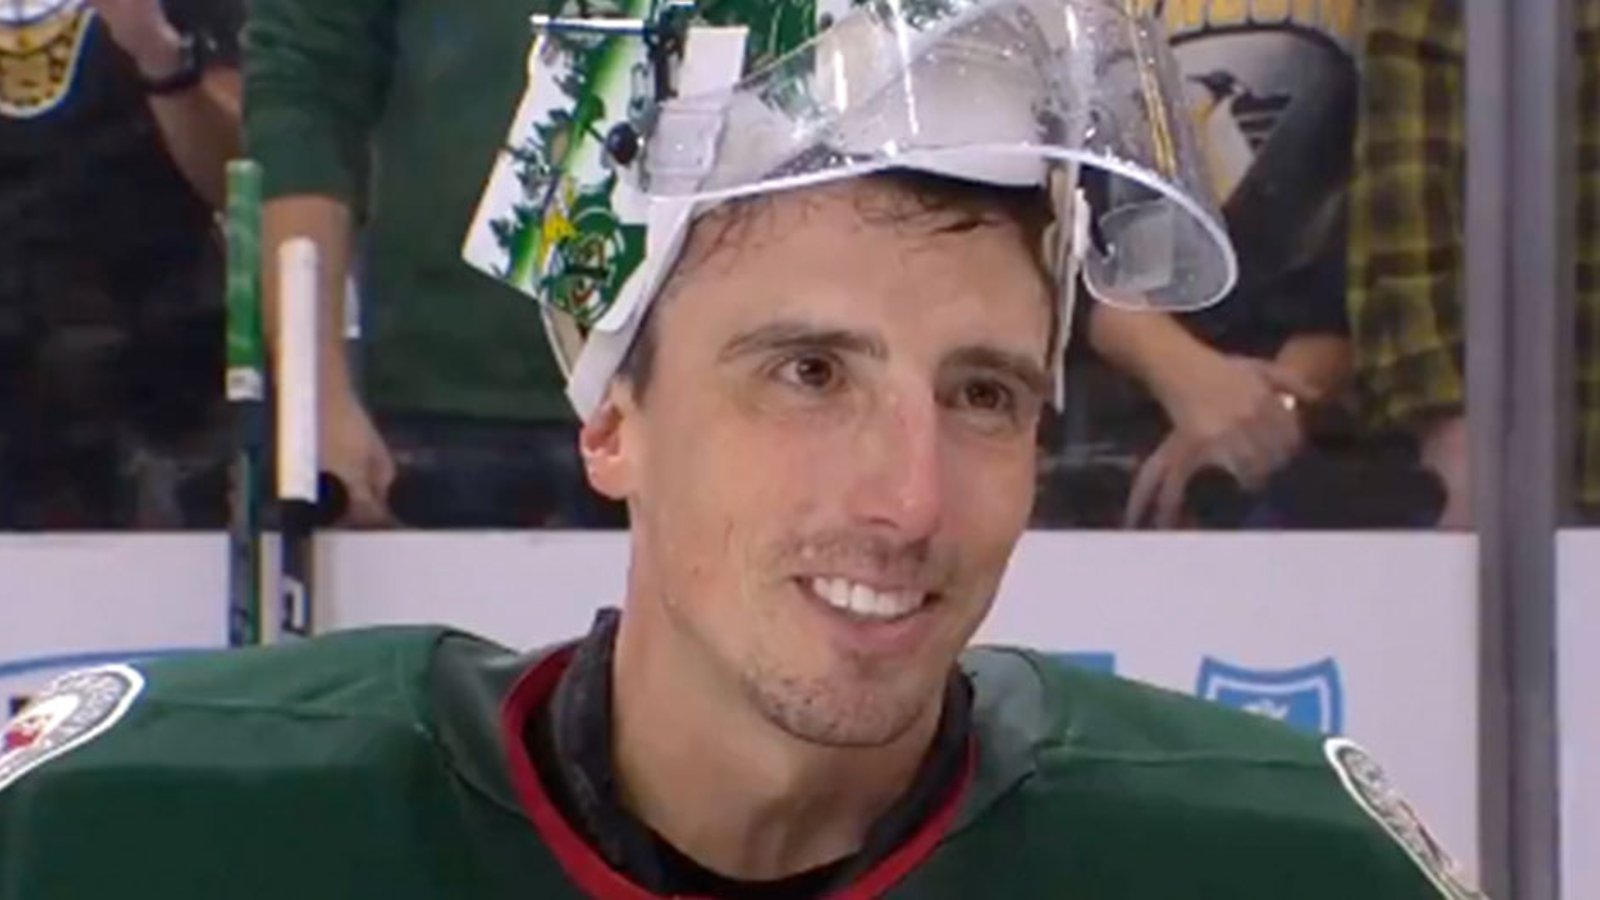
{"type": "Point", "coordinates": [945, 205]}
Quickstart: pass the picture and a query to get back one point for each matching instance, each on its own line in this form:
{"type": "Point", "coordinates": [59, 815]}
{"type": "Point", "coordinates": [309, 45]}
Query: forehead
{"type": "Point", "coordinates": [860, 248]}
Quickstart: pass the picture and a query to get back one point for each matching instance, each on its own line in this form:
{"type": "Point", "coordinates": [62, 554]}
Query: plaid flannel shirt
{"type": "Point", "coordinates": [1406, 239]}
{"type": "Point", "coordinates": [1406, 236]}
{"type": "Point", "coordinates": [1586, 364]}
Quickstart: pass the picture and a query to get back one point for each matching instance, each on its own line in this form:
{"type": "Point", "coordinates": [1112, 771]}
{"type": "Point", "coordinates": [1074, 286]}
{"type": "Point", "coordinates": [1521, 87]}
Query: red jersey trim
{"type": "Point", "coordinates": [595, 876]}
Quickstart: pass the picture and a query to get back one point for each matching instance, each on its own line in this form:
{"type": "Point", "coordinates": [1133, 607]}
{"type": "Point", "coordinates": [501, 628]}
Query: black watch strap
{"type": "Point", "coordinates": [192, 58]}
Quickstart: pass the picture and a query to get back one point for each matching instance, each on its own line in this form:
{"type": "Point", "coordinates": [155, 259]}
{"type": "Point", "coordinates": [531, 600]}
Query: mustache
{"type": "Point", "coordinates": [917, 562]}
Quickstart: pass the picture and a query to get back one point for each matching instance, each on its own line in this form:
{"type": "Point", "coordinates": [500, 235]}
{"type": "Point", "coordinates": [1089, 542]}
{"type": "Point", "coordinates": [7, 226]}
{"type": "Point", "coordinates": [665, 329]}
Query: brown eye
{"type": "Point", "coordinates": [817, 374]}
{"type": "Point", "coordinates": [987, 396]}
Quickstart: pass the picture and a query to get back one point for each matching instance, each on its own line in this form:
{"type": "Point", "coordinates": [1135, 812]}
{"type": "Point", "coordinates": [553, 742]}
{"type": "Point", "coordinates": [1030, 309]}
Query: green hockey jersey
{"type": "Point", "coordinates": [376, 764]}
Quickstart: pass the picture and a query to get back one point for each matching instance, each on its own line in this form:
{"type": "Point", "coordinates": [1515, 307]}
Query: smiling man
{"type": "Point", "coordinates": [808, 566]}
{"type": "Point", "coordinates": [820, 410]}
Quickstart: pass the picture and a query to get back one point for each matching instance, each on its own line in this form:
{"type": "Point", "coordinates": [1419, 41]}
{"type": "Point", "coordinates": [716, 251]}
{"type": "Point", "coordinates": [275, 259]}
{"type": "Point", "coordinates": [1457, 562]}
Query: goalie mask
{"type": "Point", "coordinates": [634, 123]}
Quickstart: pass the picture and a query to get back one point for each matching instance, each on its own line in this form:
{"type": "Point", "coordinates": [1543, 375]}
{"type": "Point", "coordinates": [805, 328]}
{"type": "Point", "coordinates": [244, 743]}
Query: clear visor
{"type": "Point", "coordinates": [1009, 93]}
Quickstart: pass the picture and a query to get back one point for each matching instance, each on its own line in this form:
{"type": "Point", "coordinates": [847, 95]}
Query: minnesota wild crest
{"type": "Point", "coordinates": [71, 711]}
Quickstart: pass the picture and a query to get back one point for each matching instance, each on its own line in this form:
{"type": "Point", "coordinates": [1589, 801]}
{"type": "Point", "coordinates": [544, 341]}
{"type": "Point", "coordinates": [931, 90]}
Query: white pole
{"type": "Point", "coordinates": [297, 433]}
{"type": "Point", "coordinates": [297, 370]}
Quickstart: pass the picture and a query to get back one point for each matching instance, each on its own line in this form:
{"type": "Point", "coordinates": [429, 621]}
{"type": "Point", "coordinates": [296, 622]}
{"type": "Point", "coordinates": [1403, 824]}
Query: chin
{"type": "Point", "coordinates": [847, 707]}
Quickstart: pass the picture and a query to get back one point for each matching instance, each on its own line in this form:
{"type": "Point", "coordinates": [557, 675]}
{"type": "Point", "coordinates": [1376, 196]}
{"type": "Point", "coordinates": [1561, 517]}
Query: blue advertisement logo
{"type": "Point", "coordinates": [1310, 698]}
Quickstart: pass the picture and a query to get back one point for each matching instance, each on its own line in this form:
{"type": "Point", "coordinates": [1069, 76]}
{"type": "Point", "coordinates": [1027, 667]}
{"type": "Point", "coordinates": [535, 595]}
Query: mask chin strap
{"type": "Point", "coordinates": [1066, 242]}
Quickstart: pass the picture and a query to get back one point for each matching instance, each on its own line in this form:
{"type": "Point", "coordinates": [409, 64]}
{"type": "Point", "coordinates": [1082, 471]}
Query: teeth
{"type": "Point", "coordinates": [866, 602]}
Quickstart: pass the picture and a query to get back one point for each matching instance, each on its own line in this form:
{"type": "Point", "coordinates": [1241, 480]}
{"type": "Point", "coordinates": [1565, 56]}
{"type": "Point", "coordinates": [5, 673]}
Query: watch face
{"type": "Point", "coordinates": [26, 12]}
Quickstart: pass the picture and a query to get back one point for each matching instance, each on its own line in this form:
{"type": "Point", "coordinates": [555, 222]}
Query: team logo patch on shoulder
{"type": "Point", "coordinates": [1366, 782]}
{"type": "Point", "coordinates": [71, 711]}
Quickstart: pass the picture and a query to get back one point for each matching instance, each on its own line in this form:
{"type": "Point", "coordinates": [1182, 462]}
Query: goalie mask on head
{"type": "Point", "coordinates": [639, 115]}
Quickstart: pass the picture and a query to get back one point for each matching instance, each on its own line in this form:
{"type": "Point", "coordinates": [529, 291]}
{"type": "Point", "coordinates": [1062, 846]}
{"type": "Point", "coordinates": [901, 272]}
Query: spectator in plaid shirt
{"type": "Point", "coordinates": [1405, 269]}
{"type": "Point", "coordinates": [1587, 424]}
{"type": "Point", "coordinates": [1406, 241]}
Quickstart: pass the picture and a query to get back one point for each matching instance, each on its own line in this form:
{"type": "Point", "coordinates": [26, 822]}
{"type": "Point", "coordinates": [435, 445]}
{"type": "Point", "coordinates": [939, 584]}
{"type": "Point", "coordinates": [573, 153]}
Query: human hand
{"type": "Point", "coordinates": [1445, 450]}
{"type": "Point", "coordinates": [143, 31]}
{"type": "Point", "coordinates": [350, 448]}
{"type": "Point", "coordinates": [1236, 413]}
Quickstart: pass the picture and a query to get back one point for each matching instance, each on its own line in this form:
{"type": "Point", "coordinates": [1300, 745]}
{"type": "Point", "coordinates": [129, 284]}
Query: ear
{"type": "Point", "coordinates": [605, 443]}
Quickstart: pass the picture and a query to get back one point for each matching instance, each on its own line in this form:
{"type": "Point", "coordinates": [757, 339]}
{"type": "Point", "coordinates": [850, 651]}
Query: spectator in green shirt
{"type": "Point", "coordinates": [383, 117]}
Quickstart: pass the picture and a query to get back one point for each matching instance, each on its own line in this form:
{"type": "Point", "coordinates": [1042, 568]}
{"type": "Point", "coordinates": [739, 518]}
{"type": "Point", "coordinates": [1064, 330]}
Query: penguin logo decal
{"type": "Point", "coordinates": [41, 45]}
{"type": "Point", "coordinates": [1233, 123]}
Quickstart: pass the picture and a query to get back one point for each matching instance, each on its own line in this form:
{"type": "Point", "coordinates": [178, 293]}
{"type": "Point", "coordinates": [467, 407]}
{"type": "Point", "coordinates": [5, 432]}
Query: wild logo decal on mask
{"type": "Point", "coordinates": [565, 237]}
{"type": "Point", "coordinates": [574, 234]}
{"type": "Point", "coordinates": [41, 43]}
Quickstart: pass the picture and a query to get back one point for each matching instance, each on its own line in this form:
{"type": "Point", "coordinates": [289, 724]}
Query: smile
{"type": "Point", "coordinates": [865, 601]}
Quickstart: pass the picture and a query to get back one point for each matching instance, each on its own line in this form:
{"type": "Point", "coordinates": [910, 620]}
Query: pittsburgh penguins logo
{"type": "Point", "coordinates": [41, 44]}
{"type": "Point", "coordinates": [1274, 112]}
{"type": "Point", "coordinates": [1233, 122]}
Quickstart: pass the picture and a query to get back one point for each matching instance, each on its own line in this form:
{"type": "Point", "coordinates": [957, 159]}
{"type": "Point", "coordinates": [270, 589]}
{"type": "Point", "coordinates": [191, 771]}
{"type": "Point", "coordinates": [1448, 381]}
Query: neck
{"type": "Point", "coordinates": [726, 787]}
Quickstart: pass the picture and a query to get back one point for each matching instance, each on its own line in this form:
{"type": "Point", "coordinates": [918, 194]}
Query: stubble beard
{"type": "Point", "coordinates": [855, 706]}
{"type": "Point", "coordinates": [857, 702]}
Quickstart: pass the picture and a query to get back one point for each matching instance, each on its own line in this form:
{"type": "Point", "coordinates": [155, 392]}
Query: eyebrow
{"type": "Point", "coordinates": [1017, 365]}
{"type": "Point", "coordinates": [791, 335]}
{"type": "Point", "coordinates": [778, 336]}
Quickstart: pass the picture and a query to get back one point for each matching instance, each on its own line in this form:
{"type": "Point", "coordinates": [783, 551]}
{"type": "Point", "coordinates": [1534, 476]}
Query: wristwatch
{"type": "Point", "coordinates": [194, 53]}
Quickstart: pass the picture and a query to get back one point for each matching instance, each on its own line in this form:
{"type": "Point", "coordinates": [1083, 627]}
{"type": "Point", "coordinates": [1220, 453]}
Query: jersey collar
{"type": "Point", "coordinates": [477, 684]}
{"type": "Point", "coordinates": [590, 871]}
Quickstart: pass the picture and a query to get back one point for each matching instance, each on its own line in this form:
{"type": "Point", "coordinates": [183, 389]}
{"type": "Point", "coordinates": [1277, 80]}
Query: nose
{"type": "Point", "coordinates": [899, 482]}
